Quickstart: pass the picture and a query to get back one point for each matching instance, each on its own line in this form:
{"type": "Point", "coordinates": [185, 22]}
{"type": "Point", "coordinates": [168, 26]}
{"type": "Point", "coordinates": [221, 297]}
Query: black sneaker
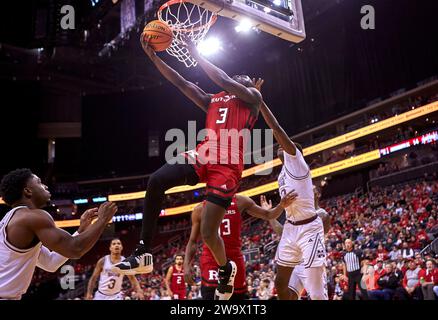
{"type": "Point", "coordinates": [139, 262]}
{"type": "Point", "coordinates": [225, 287]}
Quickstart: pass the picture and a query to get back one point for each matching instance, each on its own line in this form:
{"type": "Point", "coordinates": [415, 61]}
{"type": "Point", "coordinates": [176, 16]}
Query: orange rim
{"type": "Point", "coordinates": [172, 2]}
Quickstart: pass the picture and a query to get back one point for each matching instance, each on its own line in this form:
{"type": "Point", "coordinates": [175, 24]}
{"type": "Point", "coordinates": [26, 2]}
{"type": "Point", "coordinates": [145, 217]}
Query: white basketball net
{"type": "Point", "coordinates": [186, 20]}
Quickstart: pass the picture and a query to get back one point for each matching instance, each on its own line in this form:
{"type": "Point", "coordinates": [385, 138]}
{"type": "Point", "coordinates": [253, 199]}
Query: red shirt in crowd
{"type": "Point", "coordinates": [429, 276]}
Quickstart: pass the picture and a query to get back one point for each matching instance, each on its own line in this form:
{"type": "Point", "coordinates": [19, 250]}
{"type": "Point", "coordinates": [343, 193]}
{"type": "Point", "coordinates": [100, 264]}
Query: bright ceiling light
{"type": "Point", "coordinates": [209, 46]}
{"type": "Point", "coordinates": [244, 26]}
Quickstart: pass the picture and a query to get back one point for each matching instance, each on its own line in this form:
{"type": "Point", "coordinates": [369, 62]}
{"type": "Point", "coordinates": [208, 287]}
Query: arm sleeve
{"type": "Point", "coordinates": [50, 260]}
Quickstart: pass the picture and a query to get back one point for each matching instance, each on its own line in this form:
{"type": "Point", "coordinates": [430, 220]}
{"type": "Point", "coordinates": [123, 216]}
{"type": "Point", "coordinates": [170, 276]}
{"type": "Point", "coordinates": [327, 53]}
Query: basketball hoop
{"type": "Point", "coordinates": [186, 20]}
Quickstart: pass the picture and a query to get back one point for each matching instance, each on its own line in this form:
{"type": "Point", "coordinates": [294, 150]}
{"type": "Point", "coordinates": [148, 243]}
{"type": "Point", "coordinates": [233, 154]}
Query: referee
{"type": "Point", "coordinates": [352, 269]}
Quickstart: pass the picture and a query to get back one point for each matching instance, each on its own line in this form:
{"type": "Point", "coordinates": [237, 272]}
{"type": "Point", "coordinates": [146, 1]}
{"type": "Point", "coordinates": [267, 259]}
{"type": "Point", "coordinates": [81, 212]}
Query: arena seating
{"type": "Point", "coordinates": [379, 222]}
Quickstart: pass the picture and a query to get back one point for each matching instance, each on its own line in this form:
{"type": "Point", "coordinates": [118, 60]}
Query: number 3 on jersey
{"type": "Point", "coordinates": [112, 284]}
{"type": "Point", "coordinates": [227, 230]}
{"type": "Point", "coordinates": [223, 115]}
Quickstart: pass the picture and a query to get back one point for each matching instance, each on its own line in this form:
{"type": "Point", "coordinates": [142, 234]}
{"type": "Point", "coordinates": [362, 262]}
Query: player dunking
{"type": "Point", "coordinates": [236, 108]}
{"type": "Point", "coordinates": [28, 233]}
{"type": "Point", "coordinates": [110, 283]}
{"type": "Point", "coordinates": [303, 233]}
{"type": "Point", "coordinates": [230, 231]}
{"type": "Point", "coordinates": [302, 277]}
{"type": "Point", "coordinates": [174, 280]}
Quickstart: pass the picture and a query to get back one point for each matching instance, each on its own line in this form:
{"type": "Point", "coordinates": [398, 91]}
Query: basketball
{"type": "Point", "coordinates": [158, 35]}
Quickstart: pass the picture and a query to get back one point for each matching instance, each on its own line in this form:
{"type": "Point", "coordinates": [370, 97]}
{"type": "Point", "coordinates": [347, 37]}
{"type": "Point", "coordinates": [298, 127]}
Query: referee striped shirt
{"type": "Point", "coordinates": [352, 260]}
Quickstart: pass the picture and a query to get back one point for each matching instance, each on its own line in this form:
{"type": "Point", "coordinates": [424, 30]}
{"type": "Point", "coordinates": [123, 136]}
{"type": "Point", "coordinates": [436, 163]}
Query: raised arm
{"type": "Point", "coordinates": [280, 135]}
{"type": "Point", "coordinates": [248, 94]}
{"type": "Point", "coordinates": [50, 260]}
{"type": "Point", "coordinates": [63, 242]}
{"type": "Point", "coordinates": [189, 89]}
{"type": "Point", "coordinates": [248, 205]}
{"type": "Point", "coordinates": [192, 244]}
{"type": "Point", "coordinates": [92, 282]}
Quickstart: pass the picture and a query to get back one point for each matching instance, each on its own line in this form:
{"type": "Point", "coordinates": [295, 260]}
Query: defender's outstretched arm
{"type": "Point", "coordinates": [250, 95]}
{"type": "Point", "coordinates": [246, 204]}
{"type": "Point", "coordinates": [189, 89]}
{"type": "Point", "coordinates": [280, 135]}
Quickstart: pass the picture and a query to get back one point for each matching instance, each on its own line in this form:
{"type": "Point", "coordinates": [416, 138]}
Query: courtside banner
{"type": "Point", "coordinates": [345, 164]}
{"type": "Point", "coordinates": [381, 125]}
{"type": "Point", "coordinates": [330, 168]}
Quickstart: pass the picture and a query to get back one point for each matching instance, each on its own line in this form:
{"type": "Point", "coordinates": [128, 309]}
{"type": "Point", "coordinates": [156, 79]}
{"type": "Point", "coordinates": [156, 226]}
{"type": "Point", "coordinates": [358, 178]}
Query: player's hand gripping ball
{"type": "Point", "coordinates": [158, 35]}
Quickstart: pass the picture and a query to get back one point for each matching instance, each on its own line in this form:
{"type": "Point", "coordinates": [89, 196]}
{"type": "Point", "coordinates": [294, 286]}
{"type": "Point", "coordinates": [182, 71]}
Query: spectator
{"type": "Point", "coordinates": [381, 252]}
{"type": "Point", "coordinates": [406, 251]}
{"type": "Point", "coordinates": [379, 270]}
{"type": "Point", "coordinates": [429, 280]}
{"type": "Point", "coordinates": [165, 295]}
{"type": "Point", "coordinates": [411, 284]}
{"type": "Point", "coordinates": [264, 292]}
{"type": "Point", "coordinates": [339, 288]}
{"type": "Point", "coordinates": [395, 254]}
{"type": "Point", "coordinates": [154, 295]}
{"type": "Point", "coordinates": [389, 282]}
{"type": "Point", "coordinates": [368, 274]}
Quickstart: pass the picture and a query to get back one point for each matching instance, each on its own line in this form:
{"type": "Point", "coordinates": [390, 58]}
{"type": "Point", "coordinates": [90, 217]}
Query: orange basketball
{"type": "Point", "coordinates": [158, 34]}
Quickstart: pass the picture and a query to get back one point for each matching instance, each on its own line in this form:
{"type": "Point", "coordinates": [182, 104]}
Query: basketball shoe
{"type": "Point", "coordinates": [139, 262]}
{"type": "Point", "coordinates": [225, 287]}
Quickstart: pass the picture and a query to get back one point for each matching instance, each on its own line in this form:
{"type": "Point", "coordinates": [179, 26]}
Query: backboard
{"type": "Point", "coordinates": [281, 18]}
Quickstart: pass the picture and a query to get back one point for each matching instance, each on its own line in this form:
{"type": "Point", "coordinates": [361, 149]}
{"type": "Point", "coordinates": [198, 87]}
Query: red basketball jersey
{"type": "Point", "coordinates": [177, 283]}
{"type": "Point", "coordinates": [230, 230]}
{"type": "Point", "coordinates": [228, 123]}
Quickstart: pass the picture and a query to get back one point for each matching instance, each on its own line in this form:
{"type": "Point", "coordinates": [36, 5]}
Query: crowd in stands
{"type": "Point", "coordinates": [405, 161]}
{"type": "Point", "coordinates": [398, 108]}
{"type": "Point", "coordinates": [178, 199]}
{"type": "Point", "coordinates": [390, 226]}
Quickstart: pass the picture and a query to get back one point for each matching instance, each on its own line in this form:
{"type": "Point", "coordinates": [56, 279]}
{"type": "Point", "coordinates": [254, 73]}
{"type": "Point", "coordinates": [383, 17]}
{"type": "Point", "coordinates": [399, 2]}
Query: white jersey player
{"type": "Point", "coordinates": [303, 234]}
{"type": "Point", "coordinates": [302, 277]}
{"type": "Point", "coordinates": [29, 237]}
{"type": "Point", "coordinates": [110, 283]}
{"type": "Point", "coordinates": [306, 278]}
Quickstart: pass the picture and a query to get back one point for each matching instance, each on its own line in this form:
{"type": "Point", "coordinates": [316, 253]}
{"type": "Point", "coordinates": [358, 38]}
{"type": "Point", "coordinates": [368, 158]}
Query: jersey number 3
{"type": "Point", "coordinates": [112, 284]}
{"type": "Point", "coordinates": [223, 114]}
{"type": "Point", "coordinates": [226, 224]}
